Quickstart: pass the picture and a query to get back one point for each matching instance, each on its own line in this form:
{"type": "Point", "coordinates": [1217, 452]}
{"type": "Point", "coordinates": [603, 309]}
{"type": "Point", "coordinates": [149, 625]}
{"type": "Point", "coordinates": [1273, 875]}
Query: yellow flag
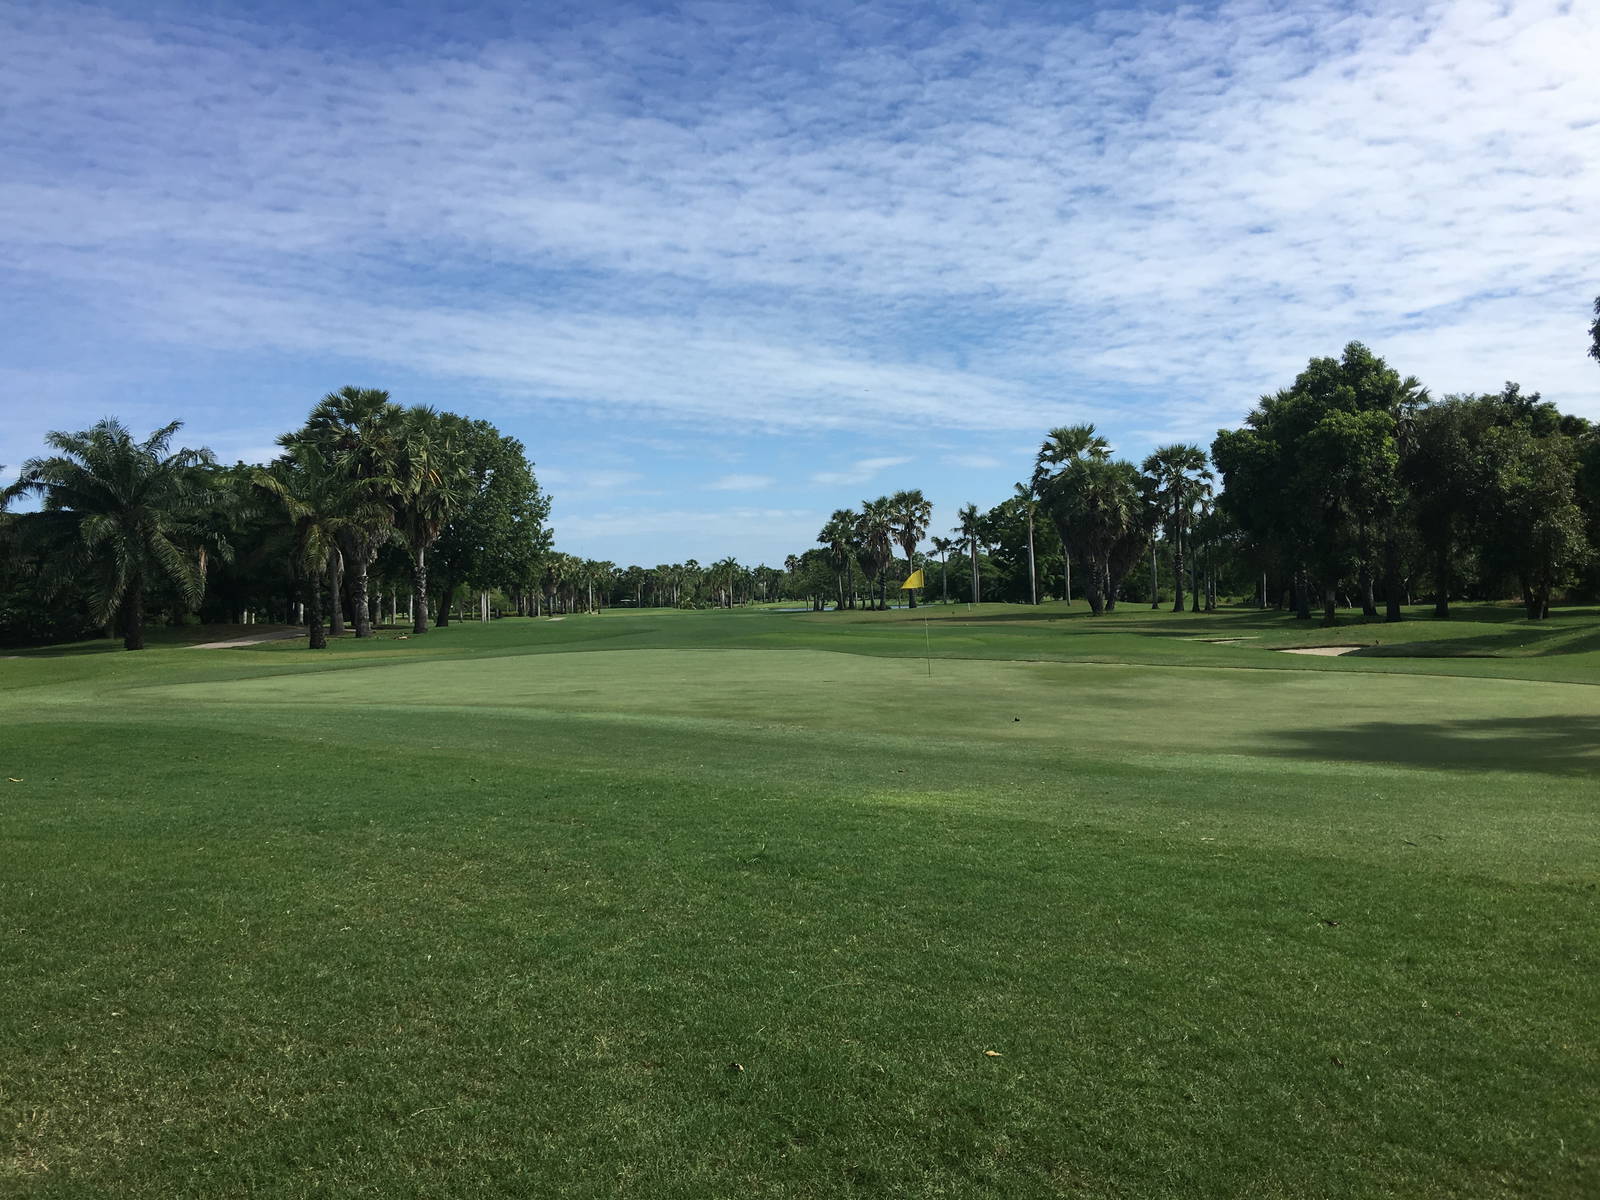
{"type": "Point", "coordinates": [915, 581]}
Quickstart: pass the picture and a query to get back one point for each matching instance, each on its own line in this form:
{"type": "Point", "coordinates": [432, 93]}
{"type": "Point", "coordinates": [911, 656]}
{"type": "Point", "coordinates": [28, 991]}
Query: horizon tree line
{"type": "Point", "coordinates": [1348, 486]}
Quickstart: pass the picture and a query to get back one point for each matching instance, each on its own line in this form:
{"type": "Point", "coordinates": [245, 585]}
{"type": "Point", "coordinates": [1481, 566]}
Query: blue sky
{"type": "Point", "coordinates": [724, 267]}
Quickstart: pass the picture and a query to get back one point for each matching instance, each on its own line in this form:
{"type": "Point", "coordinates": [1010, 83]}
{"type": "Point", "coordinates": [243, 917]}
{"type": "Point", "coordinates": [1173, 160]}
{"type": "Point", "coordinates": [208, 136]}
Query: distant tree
{"type": "Point", "coordinates": [431, 472]}
{"type": "Point", "coordinates": [1594, 332]}
{"type": "Point", "coordinates": [358, 430]}
{"type": "Point", "coordinates": [1177, 473]}
{"type": "Point", "coordinates": [839, 537]}
{"type": "Point", "coordinates": [874, 539]}
{"type": "Point", "coordinates": [318, 498]}
{"type": "Point", "coordinates": [1314, 472]}
{"type": "Point", "coordinates": [942, 547]}
{"type": "Point", "coordinates": [1063, 446]}
{"type": "Point", "coordinates": [1443, 485]}
{"type": "Point", "coordinates": [910, 513]}
{"type": "Point", "coordinates": [1025, 497]}
{"type": "Point", "coordinates": [498, 523]}
{"type": "Point", "coordinates": [969, 529]}
{"type": "Point", "coordinates": [1099, 507]}
{"type": "Point", "coordinates": [1530, 520]}
{"type": "Point", "coordinates": [116, 511]}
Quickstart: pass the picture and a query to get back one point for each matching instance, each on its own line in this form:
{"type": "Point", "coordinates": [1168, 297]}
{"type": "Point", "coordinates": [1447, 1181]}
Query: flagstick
{"type": "Point", "coordinates": [927, 642]}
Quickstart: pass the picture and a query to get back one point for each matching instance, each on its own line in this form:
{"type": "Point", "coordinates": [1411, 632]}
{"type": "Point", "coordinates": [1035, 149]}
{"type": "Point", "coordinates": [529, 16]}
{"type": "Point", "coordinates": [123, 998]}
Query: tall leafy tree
{"type": "Point", "coordinates": [1062, 447]}
{"type": "Point", "coordinates": [942, 547]}
{"type": "Point", "coordinates": [118, 510]}
{"type": "Point", "coordinates": [875, 544]}
{"type": "Point", "coordinates": [910, 512]}
{"type": "Point", "coordinates": [317, 497]}
{"type": "Point", "coordinates": [1028, 500]}
{"type": "Point", "coordinates": [431, 471]}
{"type": "Point", "coordinates": [1314, 470]}
{"type": "Point", "coordinates": [360, 431]}
{"type": "Point", "coordinates": [1098, 506]}
{"type": "Point", "coordinates": [838, 536]}
{"type": "Point", "coordinates": [1176, 473]}
{"type": "Point", "coordinates": [497, 529]}
{"type": "Point", "coordinates": [970, 529]}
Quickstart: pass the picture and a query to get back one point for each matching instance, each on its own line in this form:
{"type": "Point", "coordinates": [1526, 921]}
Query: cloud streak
{"type": "Point", "coordinates": [854, 221]}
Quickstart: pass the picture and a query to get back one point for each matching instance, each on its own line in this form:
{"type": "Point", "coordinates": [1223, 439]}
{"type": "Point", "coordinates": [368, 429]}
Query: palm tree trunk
{"type": "Point", "coordinates": [1177, 569]}
{"type": "Point", "coordinates": [1066, 573]}
{"type": "Point", "coordinates": [974, 547]}
{"type": "Point", "coordinates": [447, 597]}
{"type": "Point", "coordinates": [335, 580]}
{"type": "Point", "coordinates": [1154, 591]}
{"type": "Point", "coordinates": [1033, 575]}
{"type": "Point", "coordinates": [419, 590]}
{"type": "Point", "coordinates": [313, 603]}
{"type": "Point", "coordinates": [358, 587]}
{"type": "Point", "coordinates": [133, 613]}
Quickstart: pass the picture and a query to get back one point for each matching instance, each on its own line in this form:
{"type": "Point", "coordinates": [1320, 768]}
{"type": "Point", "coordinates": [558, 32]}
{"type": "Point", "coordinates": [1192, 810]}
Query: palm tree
{"type": "Point", "coordinates": [360, 430]}
{"type": "Point", "coordinates": [1063, 446]}
{"type": "Point", "coordinates": [875, 537]}
{"type": "Point", "coordinates": [122, 508]}
{"type": "Point", "coordinates": [1177, 474]}
{"type": "Point", "coordinates": [429, 468]}
{"type": "Point", "coordinates": [968, 529]}
{"type": "Point", "coordinates": [909, 514]}
{"type": "Point", "coordinates": [1025, 496]}
{"type": "Point", "coordinates": [315, 495]}
{"type": "Point", "coordinates": [1098, 507]}
{"type": "Point", "coordinates": [942, 547]}
{"type": "Point", "coordinates": [723, 574]}
{"type": "Point", "coordinates": [838, 537]}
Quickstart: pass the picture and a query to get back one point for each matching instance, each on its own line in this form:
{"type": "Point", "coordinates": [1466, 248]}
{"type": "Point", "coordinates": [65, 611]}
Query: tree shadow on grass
{"type": "Point", "coordinates": [1531, 641]}
{"type": "Point", "coordinates": [1556, 745]}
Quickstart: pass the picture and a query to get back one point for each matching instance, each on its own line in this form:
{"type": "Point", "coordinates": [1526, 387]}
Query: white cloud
{"type": "Point", "coordinates": [570, 481]}
{"type": "Point", "coordinates": [740, 483]}
{"type": "Point", "coordinates": [1173, 206]}
{"type": "Point", "coordinates": [977, 462]}
{"type": "Point", "coordinates": [863, 470]}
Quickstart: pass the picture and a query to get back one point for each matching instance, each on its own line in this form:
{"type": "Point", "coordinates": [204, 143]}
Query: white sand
{"type": "Point", "coordinates": [1324, 651]}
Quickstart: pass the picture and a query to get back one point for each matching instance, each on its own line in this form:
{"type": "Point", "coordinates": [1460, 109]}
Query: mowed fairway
{"type": "Point", "coordinates": [747, 904]}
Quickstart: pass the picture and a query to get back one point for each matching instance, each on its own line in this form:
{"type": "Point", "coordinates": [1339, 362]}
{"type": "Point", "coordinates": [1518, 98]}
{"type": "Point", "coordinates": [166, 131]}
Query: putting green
{"type": "Point", "coordinates": [1132, 712]}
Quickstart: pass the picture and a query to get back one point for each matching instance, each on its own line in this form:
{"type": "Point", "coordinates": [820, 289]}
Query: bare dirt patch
{"type": "Point", "coordinates": [277, 635]}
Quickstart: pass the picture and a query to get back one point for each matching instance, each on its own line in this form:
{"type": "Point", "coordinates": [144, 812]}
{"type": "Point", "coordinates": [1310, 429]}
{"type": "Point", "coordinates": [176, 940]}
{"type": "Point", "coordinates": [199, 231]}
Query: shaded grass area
{"type": "Point", "coordinates": [497, 916]}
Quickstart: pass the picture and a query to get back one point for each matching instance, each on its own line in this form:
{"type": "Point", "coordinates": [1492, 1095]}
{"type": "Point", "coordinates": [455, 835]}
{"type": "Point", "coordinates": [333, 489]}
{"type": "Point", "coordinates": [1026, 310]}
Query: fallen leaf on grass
{"type": "Point", "coordinates": [1330, 923]}
{"type": "Point", "coordinates": [1336, 1060]}
{"type": "Point", "coordinates": [734, 1068]}
{"type": "Point", "coordinates": [14, 780]}
{"type": "Point", "coordinates": [993, 1054]}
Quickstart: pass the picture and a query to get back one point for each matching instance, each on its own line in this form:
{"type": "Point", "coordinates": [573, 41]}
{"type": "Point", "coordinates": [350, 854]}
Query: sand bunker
{"type": "Point", "coordinates": [1324, 651]}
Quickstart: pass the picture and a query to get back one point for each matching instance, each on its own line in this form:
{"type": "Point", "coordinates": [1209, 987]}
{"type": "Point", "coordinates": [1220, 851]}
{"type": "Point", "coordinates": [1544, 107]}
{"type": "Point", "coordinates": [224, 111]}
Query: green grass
{"type": "Point", "coordinates": [495, 910]}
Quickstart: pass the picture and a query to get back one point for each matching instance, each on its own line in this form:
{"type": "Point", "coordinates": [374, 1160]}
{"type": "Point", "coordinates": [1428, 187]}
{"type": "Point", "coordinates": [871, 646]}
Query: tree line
{"type": "Point", "coordinates": [1349, 488]}
{"type": "Point", "coordinates": [366, 502]}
